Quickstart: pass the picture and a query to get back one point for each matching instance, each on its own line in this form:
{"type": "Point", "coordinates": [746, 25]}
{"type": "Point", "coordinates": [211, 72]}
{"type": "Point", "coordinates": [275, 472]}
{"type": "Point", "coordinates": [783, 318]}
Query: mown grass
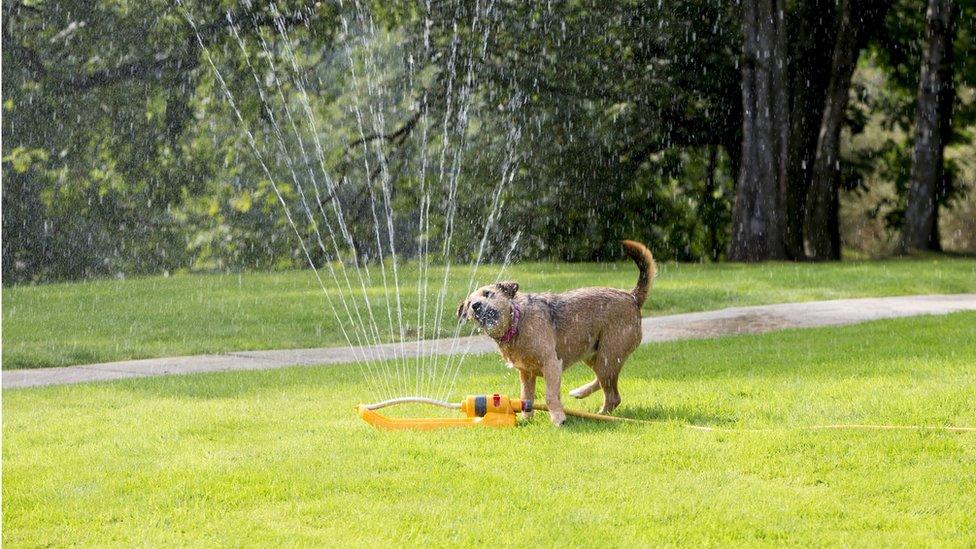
{"type": "Point", "coordinates": [280, 458]}
{"type": "Point", "coordinates": [64, 324]}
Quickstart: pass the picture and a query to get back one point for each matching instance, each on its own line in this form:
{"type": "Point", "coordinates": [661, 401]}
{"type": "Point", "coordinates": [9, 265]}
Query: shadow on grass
{"type": "Point", "coordinates": [651, 414]}
{"type": "Point", "coordinates": [682, 414]}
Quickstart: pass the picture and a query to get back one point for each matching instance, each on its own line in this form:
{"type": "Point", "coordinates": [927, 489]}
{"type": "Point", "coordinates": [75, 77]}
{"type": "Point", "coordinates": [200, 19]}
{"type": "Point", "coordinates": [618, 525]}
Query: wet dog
{"type": "Point", "coordinates": [543, 334]}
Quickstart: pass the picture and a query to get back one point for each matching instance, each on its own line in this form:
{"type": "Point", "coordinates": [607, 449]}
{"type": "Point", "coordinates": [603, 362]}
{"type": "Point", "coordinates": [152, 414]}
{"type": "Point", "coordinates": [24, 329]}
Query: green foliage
{"type": "Point", "coordinates": [479, 128]}
{"type": "Point", "coordinates": [620, 100]}
{"type": "Point", "coordinates": [115, 132]}
{"type": "Point", "coordinates": [897, 51]}
{"type": "Point", "coordinates": [126, 157]}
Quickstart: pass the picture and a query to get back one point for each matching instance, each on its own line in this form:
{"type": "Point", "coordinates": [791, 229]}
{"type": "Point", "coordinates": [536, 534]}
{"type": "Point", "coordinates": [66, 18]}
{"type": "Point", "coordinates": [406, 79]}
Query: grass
{"type": "Point", "coordinates": [80, 323]}
{"type": "Point", "coordinates": [279, 457]}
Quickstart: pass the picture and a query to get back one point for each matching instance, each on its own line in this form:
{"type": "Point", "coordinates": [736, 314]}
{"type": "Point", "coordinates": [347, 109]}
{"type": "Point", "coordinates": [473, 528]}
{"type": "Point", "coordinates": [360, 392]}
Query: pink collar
{"type": "Point", "coordinates": [513, 326]}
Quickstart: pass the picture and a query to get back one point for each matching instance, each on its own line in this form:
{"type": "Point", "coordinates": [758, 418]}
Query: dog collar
{"type": "Point", "coordinates": [513, 326]}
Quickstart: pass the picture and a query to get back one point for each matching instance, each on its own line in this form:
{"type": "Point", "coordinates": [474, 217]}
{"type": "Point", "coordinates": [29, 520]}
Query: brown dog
{"type": "Point", "coordinates": [543, 334]}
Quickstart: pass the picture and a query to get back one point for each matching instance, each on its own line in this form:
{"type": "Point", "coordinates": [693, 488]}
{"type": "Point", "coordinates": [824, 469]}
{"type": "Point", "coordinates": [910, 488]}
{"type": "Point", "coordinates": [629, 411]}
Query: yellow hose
{"type": "Point", "coordinates": [588, 415]}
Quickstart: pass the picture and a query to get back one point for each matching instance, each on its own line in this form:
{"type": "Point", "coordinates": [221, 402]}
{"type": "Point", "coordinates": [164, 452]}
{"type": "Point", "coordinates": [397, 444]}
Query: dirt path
{"type": "Point", "coordinates": [724, 322]}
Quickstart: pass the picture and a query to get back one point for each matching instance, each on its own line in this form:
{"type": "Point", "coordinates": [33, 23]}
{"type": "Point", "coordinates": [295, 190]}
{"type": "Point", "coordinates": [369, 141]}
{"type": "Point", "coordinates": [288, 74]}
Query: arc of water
{"type": "Point", "coordinates": [298, 79]}
{"type": "Point", "coordinates": [508, 173]}
{"type": "Point", "coordinates": [456, 165]}
{"type": "Point", "coordinates": [371, 328]}
{"type": "Point", "coordinates": [426, 361]}
{"type": "Point", "coordinates": [451, 200]}
{"type": "Point", "coordinates": [379, 125]}
{"type": "Point", "coordinates": [454, 172]}
{"type": "Point", "coordinates": [423, 238]}
{"type": "Point", "coordinates": [385, 184]}
{"type": "Point", "coordinates": [398, 358]}
{"type": "Point", "coordinates": [295, 179]}
{"type": "Point", "coordinates": [423, 224]}
{"type": "Point", "coordinates": [460, 116]}
{"type": "Point", "coordinates": [260, 158]}
{"type": "Point", "coordinates": [427, 364]}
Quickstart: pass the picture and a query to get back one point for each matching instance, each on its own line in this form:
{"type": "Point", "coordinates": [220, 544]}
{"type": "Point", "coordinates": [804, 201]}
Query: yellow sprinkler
{"type": "Point", "coordinates": [480, 411]}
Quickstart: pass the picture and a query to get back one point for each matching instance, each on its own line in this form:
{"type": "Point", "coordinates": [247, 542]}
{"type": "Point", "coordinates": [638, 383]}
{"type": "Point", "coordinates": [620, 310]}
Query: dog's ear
{"type": "Point", "coordinates": [460, 309]}
{"type": "Point", "coordinates": [509, 288]}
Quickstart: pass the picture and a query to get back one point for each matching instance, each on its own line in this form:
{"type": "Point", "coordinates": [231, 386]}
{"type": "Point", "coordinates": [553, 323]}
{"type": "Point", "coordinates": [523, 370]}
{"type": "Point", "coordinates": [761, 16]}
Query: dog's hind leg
{"type": "Point", "coordinates": [611, 396]}
{"type": "Point", "coordinates": [607, 364]}
{"type": "Point", "coordinates": [614, 350]}
{"type": "Point", "coordinates": [607, 369]}
{"type": "Point", "coordinates": [586, 390]}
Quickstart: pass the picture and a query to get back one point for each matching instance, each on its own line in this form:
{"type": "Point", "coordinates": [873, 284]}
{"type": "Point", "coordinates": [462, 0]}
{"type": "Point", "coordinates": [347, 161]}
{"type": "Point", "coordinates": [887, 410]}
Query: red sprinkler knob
{"type": "Point", "coordinates": [496, 399]}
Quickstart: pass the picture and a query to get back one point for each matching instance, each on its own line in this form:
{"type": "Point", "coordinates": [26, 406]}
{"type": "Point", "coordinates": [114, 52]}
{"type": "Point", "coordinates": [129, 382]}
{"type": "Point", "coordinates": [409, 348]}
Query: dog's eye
{"type": "Point", "coordinates": [486, 293]}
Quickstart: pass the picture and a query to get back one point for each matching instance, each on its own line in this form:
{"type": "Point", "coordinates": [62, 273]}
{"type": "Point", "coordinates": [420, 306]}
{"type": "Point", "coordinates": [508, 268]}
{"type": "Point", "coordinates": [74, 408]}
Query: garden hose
{"type": "Point", "coordinates": [500, 411]}
{"type": "Point", "coordinates": [589, 415]}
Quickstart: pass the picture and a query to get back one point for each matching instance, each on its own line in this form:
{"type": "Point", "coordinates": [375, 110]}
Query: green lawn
{"type": "Point", "coordinates": [280, 458]}
{"type": "Point", "coordinates": [63, 324]}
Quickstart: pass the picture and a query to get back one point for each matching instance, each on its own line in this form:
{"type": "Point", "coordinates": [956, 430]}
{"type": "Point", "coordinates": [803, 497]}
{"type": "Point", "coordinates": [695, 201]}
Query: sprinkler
{"type": "Point", "coordinates": [480, 411]}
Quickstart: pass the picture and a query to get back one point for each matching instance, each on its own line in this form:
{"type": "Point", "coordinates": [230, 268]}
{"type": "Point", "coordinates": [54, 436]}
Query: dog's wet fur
{"type": "Point", "coordinates": [598, 326]}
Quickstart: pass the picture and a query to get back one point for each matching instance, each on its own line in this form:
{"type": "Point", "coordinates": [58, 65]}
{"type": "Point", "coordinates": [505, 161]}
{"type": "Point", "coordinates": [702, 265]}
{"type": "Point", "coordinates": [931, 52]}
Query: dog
{"type": "Point", "coordinates": [543, 334]}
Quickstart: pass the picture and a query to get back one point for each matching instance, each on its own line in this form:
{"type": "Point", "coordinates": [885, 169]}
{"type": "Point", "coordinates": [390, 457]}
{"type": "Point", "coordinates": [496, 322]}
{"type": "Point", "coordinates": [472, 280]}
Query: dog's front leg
{"type": "Point", "coordinates": [552, 372]}
{"type": "Point", "coordinates": [527, 379]}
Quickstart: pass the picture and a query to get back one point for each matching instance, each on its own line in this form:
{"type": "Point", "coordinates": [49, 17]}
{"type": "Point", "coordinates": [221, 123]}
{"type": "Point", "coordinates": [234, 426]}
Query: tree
{"type": "Point", "coordinates": [758, 225]}
{"type": "Point", "coordinates": [622, 101]}
{"type": "Point", "coordinates": [110, 133]}
{"type": "Point", "coordinates": [813, 29]}
{"type": "Point", "coordinates": [933, 128]}
{"type": "Point", "coordinates": [856, 21]}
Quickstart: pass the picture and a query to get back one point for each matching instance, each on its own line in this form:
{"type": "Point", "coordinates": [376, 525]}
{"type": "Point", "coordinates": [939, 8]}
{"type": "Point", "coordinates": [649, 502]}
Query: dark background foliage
{"type": "Point", "coordinates": [555, 128]}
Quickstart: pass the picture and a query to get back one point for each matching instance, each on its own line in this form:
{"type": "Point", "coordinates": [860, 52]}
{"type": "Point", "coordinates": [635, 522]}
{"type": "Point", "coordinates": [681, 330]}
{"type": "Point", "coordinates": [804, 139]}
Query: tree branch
{"type": "Point", "coordinates": [395, 137]}
{"type": "Point", "coordinates": [143, 68]}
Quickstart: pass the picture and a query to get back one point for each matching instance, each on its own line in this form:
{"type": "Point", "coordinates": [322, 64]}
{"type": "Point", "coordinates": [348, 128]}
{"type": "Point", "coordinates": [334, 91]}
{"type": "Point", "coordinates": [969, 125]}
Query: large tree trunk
{"type": "Point", "coordinates": [814, 31]}
{"type": "Point", "coordinates": [758, 216]}
{"type": "Point", "coordinates": [857, 19]}
{"type": "Point", "coordinates": [933, 128]}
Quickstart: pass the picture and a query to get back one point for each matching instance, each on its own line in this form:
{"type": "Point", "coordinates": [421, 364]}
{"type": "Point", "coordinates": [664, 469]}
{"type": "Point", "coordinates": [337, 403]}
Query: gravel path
{"type": "Point", "coordinates": [724, 322]}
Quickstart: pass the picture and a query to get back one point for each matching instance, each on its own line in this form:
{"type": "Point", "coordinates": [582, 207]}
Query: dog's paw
{"type": "Point", "coordinates": [557, 418]}
{"type": "Point", "coordinates": [527, 415]}
{"type": "Point", "coordinates": [577, 393]}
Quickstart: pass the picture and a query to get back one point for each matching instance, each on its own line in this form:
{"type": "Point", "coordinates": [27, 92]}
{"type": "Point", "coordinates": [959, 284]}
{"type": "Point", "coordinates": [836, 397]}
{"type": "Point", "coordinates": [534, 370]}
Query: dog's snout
{"type": "Point", "coordinates": [476, 306]}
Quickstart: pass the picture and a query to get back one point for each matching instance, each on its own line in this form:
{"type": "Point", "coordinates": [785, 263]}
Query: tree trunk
{"type": "Point", "coordinates": [757, 215]}
{"type": "Point", "coordinates": [814, 32]}
{"type": "Point", "coordinates": [856, 20]}
{"type": "Point", "coordinates": [933, 128]}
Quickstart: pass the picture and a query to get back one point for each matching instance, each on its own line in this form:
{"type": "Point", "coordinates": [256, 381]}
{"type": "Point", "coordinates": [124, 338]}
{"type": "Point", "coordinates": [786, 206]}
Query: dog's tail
{"type": "Point", "coordinates": [645, 264]}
